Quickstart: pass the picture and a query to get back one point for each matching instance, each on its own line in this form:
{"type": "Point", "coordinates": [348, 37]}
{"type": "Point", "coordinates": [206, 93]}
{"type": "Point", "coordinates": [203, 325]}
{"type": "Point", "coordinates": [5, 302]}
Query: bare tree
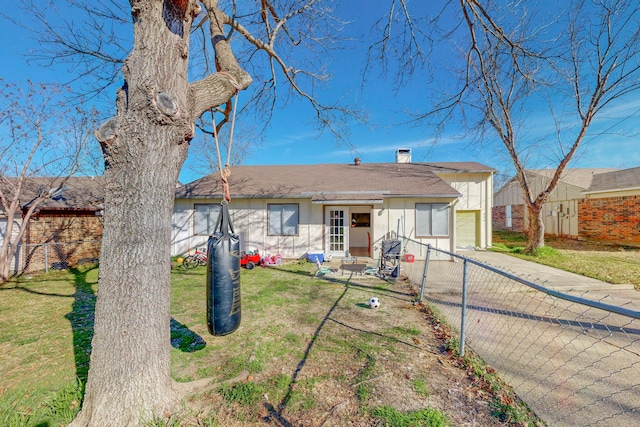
{"type": "Point", "coordinates": [43, 145]}
{"type": "Point", "coordinates": [145, 145]}
{"type": "Point", "coordinates": [518, 62]}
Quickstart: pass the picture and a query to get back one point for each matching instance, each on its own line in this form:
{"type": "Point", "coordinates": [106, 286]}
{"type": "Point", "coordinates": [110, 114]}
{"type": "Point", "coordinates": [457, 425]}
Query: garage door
{"type": "Point", "coordinates": [467, 228]}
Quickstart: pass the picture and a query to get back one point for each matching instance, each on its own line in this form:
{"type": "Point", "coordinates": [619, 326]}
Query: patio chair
{"type": "Point", "coordinates": [322, 270]}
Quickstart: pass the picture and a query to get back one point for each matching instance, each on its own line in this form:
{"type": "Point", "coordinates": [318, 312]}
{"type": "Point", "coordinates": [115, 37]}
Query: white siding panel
{"type": "Point", "coordinates": [477, 195]}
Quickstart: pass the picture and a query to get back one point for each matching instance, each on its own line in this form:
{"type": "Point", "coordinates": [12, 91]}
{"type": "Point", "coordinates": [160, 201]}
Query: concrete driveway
{"type": "Point", "coordinates": [573, 364]}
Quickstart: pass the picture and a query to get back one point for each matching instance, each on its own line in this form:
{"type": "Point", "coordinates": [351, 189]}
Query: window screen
{"type": "Point", "coordinates": [432, 219]}
{"type": "Point", "coordinates": [283, 219]}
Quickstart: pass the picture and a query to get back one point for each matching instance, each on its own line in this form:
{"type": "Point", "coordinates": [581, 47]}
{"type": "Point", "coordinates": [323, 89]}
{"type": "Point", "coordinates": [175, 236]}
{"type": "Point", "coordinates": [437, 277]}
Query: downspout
{"type": "Point", "coordinates": [489, 214]}
{"type": "Point", "coordinates": [452, 240]}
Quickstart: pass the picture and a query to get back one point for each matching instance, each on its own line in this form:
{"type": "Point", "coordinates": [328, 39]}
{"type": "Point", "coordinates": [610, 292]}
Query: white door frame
{"type": "Point", "coordinates": [337, 230]}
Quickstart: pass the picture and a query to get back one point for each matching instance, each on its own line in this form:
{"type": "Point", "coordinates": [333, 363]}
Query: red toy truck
{"type": "Point", "coordinates": [250, 259]}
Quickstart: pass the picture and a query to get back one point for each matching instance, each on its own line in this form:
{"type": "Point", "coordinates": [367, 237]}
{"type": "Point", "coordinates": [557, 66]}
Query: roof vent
{"type": "Point", "coordinates": [403, 155]}
{"type": "Point", "coordinates": [356, 161]}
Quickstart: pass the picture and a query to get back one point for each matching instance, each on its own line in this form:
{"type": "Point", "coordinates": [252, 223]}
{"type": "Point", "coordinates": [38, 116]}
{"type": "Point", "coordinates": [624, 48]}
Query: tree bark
{"type": "Point", "coordinates": [536, 227]}
{"type": "Point", "coordinates": [144, 146]}
{"type": "Point", "coordinates": [129, 378]}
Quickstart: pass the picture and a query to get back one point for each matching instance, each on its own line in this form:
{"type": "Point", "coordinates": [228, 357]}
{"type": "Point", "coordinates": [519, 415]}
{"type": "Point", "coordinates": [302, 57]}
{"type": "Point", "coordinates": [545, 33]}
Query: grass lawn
{"type": "Point", "coordinates": [611, 264]}
{"type": "Point", "coordinates": [309, 352]}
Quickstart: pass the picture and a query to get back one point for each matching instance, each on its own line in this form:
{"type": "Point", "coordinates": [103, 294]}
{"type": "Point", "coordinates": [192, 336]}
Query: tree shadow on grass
{"type": "Point", "coordinates": [82, 318]}
{"type": "Point", "coordinates": [184, 339]}
{"type": "Point", "coordinates": [276, 413]}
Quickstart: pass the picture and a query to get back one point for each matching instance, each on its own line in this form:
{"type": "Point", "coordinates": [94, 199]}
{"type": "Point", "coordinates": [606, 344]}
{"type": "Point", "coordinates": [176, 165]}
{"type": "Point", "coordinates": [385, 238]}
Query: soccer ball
{"type": "Point", "coordinates": [374, 302]}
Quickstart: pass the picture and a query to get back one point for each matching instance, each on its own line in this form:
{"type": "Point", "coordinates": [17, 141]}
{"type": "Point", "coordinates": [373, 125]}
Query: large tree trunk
{"type": "Point", "coordinates": [129, 376]}
{"type": "Point", "coordinates": [536, 227]}
{"type": "Point", "coordinates": [144, 146]}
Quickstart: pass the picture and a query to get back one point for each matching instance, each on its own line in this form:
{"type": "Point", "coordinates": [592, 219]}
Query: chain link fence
{"type": "Point", "coordinates": [43, 257]}
{"type": "Point", "coordinates": [575, 361]}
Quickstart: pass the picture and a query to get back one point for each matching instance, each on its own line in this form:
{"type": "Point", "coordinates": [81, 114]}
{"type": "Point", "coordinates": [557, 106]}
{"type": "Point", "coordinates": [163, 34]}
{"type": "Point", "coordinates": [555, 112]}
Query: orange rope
{"type": "Point", "coordinates": [226, 171]}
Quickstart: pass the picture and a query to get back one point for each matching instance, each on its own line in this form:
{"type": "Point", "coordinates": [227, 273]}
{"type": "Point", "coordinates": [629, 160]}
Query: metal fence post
{"type": "Point", "coordinates": [464, 308]}
{"type": "Point", "coordinates": [424, 273]}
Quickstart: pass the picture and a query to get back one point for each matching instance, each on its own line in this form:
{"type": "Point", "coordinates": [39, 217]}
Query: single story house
{"type": "Point", "coordinates": [66, 228]}
{"type": "Point", "coordinates": [561, 208]}
{"type": "Point", "coordinates": [341, 209]}
{"type": "Point", "coordinates": [610, 211]}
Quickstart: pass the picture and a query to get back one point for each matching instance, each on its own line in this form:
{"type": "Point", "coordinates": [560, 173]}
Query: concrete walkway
{"type": "Point", "coordinates": [559, 280]}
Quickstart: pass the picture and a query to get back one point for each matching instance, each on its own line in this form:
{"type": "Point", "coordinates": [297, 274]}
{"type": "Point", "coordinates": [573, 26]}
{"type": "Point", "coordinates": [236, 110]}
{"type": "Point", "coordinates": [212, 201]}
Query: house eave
{"type": "Point", "coordinates": [424, 196]}
{"type": "Point", "coordinates": [329, 197]}
{"type": "Point", "coordinates": [348, 202]}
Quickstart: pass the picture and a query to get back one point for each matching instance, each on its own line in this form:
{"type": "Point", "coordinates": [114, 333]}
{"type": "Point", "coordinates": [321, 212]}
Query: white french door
{"type": "Point", "coordinates": [337, 237]}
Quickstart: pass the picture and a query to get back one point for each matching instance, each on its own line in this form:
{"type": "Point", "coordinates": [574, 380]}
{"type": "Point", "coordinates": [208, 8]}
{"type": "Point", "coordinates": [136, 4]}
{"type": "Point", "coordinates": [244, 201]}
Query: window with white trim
{"type": "Point", "coordinates": [204, 218]}
{"type": "Point", "coordinates": [432, 219]}
{"type": "Point", "coordinates": [283, 219]}
{"type": "Point", "coordinates": [507, 216]}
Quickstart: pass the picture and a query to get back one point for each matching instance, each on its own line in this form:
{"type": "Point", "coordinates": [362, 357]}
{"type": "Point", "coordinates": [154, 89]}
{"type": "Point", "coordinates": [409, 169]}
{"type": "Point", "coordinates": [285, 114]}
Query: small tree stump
{"type": "Point", "coordinates": [107, 131]}
{"type": "Point", "coordinates": [166, 104]}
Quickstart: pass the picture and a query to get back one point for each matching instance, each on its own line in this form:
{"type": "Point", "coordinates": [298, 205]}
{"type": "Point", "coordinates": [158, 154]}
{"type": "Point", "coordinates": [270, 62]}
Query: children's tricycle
{"type": "Point", "coordinates": [250, 259]}
{"type": "Point", "coordinates": [270, 260]}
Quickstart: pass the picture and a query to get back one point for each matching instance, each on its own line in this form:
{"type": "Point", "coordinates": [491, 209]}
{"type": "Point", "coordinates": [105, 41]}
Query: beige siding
{"type": "Point", "coordinates": [392, 211]}
{"type": "Point", "coordinates": [560, 211]}
{"type": "Point", "coordinates": [510, 194]}
{"type": "Point", "coordinates": [250, 223]}
{"type": "Point", "coordinates": [477, 195]}
{"type": "Point", "coordinates": [561, 218]}
{"type": "Point", "coordinates": [181, 239]}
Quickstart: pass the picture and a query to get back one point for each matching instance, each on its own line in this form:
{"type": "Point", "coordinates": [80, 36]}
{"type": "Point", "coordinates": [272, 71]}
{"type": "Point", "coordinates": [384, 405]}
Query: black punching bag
{"type": "Point", "coordinates": [223, 276]}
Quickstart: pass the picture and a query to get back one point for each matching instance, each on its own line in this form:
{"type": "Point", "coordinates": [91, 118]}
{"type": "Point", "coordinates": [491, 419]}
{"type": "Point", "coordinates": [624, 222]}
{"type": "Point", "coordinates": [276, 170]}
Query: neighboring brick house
{"type": "Point", "coordinates": [509, 217]}
{"type": "Point", "coordinates": [611, 210]}
{"type": "Point", "coordinates": [561, 209]}
{"type": "Point", "coordinates": [66, 229]}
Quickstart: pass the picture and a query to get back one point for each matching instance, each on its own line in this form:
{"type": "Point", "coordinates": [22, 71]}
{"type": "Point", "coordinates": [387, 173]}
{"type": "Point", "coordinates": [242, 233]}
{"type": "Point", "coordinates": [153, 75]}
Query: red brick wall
{"type": "Point", "coordinates": [61, 238]}
{"type": "Point", "coordinates": [517, 218]}
{"type": "Point", "coordinates": [614, 219]}
{"type": "Point", "coordinates": [499, 218]}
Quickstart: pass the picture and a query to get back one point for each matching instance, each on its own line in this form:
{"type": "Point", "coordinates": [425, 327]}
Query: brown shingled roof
{"type": "Point", "coordinates": [617, 180]}
{"type": "Point", "coordinates": [77, 193]}
{"type": "Point", "coordinates": [333, 181]}
{"type": "Point", "coordinates": [579, 177]}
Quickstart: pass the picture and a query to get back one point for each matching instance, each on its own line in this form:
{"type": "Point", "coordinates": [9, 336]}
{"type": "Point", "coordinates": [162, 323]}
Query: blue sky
{"type": "Point", "coordinates": [291, 137]}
